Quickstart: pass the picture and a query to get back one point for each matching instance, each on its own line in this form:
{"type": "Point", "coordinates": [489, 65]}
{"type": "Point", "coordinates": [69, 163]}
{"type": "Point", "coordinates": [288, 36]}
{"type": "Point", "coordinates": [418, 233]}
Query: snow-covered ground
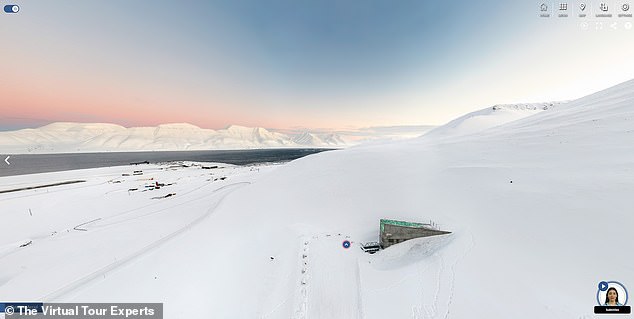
{"type": "Point", "coordinates": [58, 237]}
{"type": "Point", "coordinates": [540, 210]}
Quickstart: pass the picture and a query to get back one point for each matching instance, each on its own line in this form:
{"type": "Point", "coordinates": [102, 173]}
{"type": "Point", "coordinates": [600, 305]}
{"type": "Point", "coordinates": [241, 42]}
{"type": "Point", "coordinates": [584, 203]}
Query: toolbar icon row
{"type": "Point", "coordinates": [583, 9]}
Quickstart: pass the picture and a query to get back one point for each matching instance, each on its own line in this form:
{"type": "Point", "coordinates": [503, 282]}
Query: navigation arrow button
{"type": "Point", "coordinates": [603, 286]}
{"type": "Point", "coordinates": [6, 160]}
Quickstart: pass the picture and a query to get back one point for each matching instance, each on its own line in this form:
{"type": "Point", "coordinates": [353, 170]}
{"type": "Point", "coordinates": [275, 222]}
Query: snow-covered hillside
{"type": "Point", "coordinates": [539, 208]}
{"type": "Point", "coordinates": [99, 137]}
{"type": "Point", "coordinates": [490, 117]}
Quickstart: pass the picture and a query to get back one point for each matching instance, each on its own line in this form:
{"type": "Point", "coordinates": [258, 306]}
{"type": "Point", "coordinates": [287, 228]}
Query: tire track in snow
{"type": "Point", "coordinates": [359, 292]}
{"type": "Point", "coordinates": [438, 306]}
{"type": "Point", "coordinates": [470, 247]}
{"type": "Point", "coordinates": [184, 195]}
{"type": "Point", "coordinates": [77, 284]}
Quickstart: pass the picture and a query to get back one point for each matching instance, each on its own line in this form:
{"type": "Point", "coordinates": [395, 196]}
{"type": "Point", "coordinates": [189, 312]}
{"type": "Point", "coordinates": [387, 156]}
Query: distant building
{"type": "Point", "coordinates": [394, 231]}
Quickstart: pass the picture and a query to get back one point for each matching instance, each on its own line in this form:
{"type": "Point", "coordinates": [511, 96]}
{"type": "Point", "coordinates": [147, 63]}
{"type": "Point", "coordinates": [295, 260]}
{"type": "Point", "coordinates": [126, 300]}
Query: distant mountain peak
{"type": "Point", "coordinates": [179, 126]}
{"type": "Point", "coordinates": [70, 126]}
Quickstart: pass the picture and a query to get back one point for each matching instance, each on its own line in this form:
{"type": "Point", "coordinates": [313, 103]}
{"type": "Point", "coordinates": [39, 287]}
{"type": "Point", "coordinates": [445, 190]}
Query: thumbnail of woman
{"type": "Point", "coordinates": [612, 297]}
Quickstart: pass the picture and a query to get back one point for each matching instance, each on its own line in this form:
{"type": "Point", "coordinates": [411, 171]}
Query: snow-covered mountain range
{"type": "Point", "coordinates": [64, 137]}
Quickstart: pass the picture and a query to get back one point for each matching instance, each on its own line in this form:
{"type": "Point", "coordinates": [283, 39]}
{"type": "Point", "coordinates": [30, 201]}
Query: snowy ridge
{"type": "Point", "coordinates": [607, 107]}
{"type": "Point", "coordinates": [489, 117]}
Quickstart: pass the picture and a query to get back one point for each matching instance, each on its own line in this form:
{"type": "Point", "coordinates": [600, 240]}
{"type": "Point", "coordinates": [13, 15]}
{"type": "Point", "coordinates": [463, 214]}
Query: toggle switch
{"type": "Point", "coordinates": [11, 8]}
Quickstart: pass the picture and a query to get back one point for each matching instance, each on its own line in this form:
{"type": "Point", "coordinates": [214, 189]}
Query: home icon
{"type": "Point", "coordinates": [543, 7]}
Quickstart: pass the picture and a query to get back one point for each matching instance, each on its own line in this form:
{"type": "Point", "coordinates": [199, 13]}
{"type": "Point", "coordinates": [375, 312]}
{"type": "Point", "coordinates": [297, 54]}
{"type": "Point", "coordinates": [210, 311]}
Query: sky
{"type": "Point", "coordinates": [317, 64]}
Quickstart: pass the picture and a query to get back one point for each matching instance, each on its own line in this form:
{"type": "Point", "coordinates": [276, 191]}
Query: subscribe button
{"type": "Point", "coordinates": [11, 8]}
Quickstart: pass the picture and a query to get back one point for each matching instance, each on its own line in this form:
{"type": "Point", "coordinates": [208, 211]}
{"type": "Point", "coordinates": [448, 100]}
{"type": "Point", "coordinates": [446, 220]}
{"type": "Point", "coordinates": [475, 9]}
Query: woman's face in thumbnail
{"type": "Point", "coordinates": [612, 295]}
